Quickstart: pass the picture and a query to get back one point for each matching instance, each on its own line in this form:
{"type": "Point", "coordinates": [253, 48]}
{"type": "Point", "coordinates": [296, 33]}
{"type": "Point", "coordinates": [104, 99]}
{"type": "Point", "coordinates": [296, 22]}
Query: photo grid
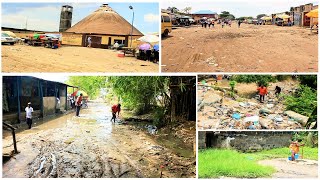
{"type": "Point", "coordinates": [208, 89]}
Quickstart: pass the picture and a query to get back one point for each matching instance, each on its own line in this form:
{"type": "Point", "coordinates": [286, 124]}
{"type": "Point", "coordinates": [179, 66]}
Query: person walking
{"type": "Point", "coordinates": [277, 91]}
{"type": "Point", "coordinates": [262, 90]}
{"type": "Point", "coordinates": [115, 109]}
{"type": "Point", "coordinates": [89, 42]}
{"type": "Point", "coordinates": [78, 105]}
{"type": "Point", "coordinates": [29, 111]}
{"type": "Point", "coordinates": [239, 23]}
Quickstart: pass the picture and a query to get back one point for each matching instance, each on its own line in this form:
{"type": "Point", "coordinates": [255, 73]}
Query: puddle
{"type": "Point", "coordinates": [175, 144]}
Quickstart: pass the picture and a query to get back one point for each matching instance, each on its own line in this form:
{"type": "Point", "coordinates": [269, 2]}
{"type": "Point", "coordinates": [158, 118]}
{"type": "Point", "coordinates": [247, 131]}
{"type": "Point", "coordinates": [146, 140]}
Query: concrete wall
{"type": "Point", "coordinates": [245, 141]}
{"type": "Point", "coordinates": [49, 105]}
{"type": "Point", "coordinates": [62, 103]}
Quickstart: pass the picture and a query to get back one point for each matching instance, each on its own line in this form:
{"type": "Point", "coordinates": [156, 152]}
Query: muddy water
{"type": "Point", "coordinates": [175, 144]}
{"type": "Point", "coordinates": [91, 146]}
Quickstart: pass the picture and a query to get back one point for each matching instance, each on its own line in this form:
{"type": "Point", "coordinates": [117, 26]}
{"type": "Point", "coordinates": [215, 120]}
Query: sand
{"type": "Point", "coordinates": [22, 58]}
{"type": "Point", "coordinates": [251, 48]}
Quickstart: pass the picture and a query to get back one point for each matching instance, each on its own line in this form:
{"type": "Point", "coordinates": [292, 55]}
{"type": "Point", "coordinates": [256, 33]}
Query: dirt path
{"type": "Point", "coordinates": [250, 48]}
{"type": "Point", "coordinates": [22, 58]}
{"type": "Point", "coordinates": [289, 169]}
{"type": "Point", "coordinates": [91, 146]}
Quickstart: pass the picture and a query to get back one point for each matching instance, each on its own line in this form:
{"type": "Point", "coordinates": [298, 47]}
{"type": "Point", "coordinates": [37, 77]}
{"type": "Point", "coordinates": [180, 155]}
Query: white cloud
{"type": "Point", "coordinates": [151, 18]}
{"type": "Point", "coordinates": [37, 18]}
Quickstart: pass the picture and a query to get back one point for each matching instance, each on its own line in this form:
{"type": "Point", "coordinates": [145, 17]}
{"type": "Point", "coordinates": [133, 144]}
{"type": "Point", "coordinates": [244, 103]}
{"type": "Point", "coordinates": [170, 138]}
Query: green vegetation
{"type": "Point", "coordinates": [259, 79]}
{"type": "Point", "coordinates": [214, 163]}
{"type": "Point", "coordinates": [308, 153]}
{"type": "Point", "coordinates": [170, 99]}
{"type": "Point", "coordinates": [303, 101]}
{"type": "Point", "coordinates": [226, 15]}
{"type": "Point", "coordinates": [89, 84]}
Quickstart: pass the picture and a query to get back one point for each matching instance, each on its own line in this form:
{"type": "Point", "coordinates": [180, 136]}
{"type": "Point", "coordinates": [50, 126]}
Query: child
{"type": "Point", "coordinates": [294, 149]}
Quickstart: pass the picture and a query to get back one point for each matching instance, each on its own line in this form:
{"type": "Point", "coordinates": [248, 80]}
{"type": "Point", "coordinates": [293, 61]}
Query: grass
{"type": "Point", "coordinates": [214, 163]}
{"type": "Point", "coordinates": [308, 153]}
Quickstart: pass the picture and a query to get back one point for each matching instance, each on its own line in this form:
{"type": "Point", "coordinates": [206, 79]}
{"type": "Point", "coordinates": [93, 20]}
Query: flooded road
{"type": "Point", "coordinates": [91, 146]}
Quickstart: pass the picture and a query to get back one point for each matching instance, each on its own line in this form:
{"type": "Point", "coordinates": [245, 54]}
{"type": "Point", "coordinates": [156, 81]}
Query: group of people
{"type": "Point", "coordinates": [208, 23]}
{"type": "Point", "coordinates": [223, 23]}
{"type": "Point", "coordinates": [263, 91]}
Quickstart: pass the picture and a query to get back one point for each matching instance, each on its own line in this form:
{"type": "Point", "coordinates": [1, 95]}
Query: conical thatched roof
{"type": "Point", "coordinates": [104, 21]}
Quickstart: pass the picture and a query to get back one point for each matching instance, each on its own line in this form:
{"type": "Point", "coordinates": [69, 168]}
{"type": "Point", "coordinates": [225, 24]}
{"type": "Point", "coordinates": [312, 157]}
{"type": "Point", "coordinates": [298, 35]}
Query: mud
{"type": "Point", "coordinates": [91, 146]}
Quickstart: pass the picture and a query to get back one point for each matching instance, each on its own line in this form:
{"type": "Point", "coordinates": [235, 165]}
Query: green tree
{"type": "Point", "coordinates": [187, 10]}
{"type": "Point", "coordinates": [90, 84]}
{"type": "Point", "coordinates": [226, 15]}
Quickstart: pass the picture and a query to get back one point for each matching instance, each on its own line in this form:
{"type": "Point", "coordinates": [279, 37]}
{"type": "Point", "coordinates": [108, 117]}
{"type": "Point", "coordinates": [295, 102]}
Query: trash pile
{"type": "Point", "coordinates": [151, 129]}
{"type": "Point", "coordinates": [217, 111]}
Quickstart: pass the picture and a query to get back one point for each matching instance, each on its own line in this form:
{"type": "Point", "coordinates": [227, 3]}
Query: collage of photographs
{"type": "Point", "coordinates": [200, 89]}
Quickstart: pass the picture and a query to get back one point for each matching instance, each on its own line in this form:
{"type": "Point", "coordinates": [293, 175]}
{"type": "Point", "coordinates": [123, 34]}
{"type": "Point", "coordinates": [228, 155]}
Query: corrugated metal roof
{"type": "Point", "coordinates": [204, 12]}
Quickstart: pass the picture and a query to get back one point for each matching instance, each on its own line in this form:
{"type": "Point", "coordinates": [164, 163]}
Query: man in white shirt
{"type": "Point", "coordinates": [29, 111]}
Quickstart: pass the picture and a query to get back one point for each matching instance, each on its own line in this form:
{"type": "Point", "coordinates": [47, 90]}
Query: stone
{"type": "Point", "coordinates": [297, 117]}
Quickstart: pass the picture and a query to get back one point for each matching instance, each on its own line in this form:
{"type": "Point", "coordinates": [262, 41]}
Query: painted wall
{"type": "Point", "coordinates": [49, 105]}
{"type": "Point", "coordinates": [72, 39]}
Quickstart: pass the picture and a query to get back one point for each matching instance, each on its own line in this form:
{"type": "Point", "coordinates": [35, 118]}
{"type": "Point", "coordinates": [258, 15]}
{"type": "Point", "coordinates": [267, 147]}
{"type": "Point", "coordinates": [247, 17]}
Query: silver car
{"type": "Point", "coordinates": [6, 39]}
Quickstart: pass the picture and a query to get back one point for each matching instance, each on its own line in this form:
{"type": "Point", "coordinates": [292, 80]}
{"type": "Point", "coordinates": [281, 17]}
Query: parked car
{"type": "Point", "coordinates": [6, 39]}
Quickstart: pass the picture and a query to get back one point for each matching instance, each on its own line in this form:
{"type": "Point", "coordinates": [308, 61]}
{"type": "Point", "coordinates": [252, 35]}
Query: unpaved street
{"type": "Point", "coordinates": [22, 58]}
{"type": "Point", "coordinates": [251, 48]}
{"type": "Point", "coordinates": [288, 169]}
{"type": "Point", "coordinates": [91, 146]}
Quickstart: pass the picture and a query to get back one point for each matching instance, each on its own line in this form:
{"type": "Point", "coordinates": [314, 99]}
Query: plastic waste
{"type": "Point", "coordinates": [236, 116]}
{"type": "Point", "coordinates": [253, 119]}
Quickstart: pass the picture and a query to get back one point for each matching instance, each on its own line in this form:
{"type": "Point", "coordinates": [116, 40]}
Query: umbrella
{"type": "Point", "coordinates": [145, 46]}
{"type": "Point", "coordinates": [266, 18]}
{"type": "Point", "coordinates": [78, 92]}
{"type": "Point", "coordinates": [283, 16]}
{"type": "Point", "coordinates": [156, 47]}
{"type": "Point", "coordinates": [314, 13]}
{"type": "Point", "coordinates": [149, 38]}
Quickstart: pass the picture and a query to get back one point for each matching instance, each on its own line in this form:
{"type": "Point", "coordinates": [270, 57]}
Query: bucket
{"type": "Point", "coordinates": [120, 54]}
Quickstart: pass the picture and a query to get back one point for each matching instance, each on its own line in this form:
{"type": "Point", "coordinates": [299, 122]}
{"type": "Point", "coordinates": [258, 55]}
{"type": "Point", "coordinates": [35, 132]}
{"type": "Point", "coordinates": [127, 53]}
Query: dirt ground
{"type": "Point", "coordinates": [91, 146]}
{"type": "Point", "coordinates": [251, 48]}
{"type": "Point", "coordinates": [22, 58]}
{"type": "Point", "coordinates": [288, 169]}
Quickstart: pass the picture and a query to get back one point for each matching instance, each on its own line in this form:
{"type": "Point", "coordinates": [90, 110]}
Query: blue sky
{"type": "Point", "coordinates": [237, 7]}
{"type": "Point", "coordinates": [45, 16]}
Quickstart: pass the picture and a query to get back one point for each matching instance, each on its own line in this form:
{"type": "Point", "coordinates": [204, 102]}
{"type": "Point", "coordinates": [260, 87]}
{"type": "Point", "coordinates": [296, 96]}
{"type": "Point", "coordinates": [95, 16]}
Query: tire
{"type": "Point", "coordinates": [12, 43]}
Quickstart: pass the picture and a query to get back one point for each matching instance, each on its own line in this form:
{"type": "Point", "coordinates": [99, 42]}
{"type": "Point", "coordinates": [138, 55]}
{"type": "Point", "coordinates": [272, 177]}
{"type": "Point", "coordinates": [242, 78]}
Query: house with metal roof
{"type": "Point", "coordinates": [204, 13]}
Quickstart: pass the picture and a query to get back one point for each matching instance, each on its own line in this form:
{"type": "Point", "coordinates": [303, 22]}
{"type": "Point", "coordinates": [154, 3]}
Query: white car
{"type": "Point", "coordinates": [5, 38]}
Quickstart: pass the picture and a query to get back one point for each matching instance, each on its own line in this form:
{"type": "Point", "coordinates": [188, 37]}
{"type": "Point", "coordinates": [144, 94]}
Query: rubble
{"type": "Point", "coordinates": [218, 111]}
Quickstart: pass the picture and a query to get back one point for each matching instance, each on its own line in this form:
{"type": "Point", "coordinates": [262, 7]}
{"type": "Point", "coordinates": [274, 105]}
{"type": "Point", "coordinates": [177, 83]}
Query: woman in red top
{"type": "Point", "coordinates": [115, 108]}
{"type": "Point", "coordinates": [262, 90]}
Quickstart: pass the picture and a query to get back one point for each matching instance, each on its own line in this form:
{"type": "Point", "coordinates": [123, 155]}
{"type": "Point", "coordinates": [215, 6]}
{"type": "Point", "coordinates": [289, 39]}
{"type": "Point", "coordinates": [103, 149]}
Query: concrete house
{"type": "Point", "coordinates": [44, 95]}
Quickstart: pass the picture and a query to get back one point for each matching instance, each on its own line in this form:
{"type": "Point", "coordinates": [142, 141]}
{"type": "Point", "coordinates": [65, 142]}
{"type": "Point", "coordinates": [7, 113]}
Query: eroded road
{"type": "Point", "coordinates": [297, 169]}
{"type": "Point", "coordinates": [91, 146]}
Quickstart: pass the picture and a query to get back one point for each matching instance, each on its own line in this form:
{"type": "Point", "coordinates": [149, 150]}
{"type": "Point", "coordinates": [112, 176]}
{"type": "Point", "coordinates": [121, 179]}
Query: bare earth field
{"type": "Point", "coordinates": [251, 48]}
{"type": "Point", "coordinates": [22, 58]}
